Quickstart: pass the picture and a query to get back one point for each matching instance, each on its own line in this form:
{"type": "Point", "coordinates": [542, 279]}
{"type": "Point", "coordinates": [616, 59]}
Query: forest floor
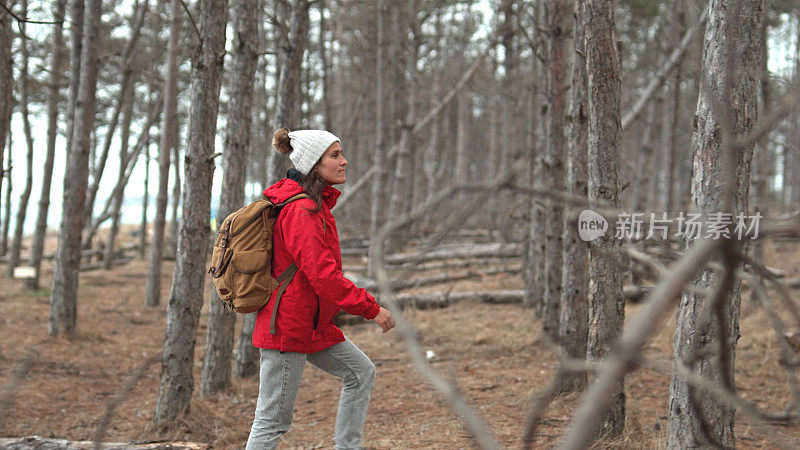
{"type": "Point", "coordinates": [495, 354]}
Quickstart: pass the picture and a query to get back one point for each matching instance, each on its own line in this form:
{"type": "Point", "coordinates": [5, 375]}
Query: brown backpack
{"type": "Point", "coordinates": [241, 263]}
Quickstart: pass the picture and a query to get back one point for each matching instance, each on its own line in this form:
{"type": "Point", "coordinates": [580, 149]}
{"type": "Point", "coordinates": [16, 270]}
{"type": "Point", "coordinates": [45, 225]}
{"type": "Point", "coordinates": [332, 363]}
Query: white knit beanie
{"type": "Point", "coordinates": [308, 146]}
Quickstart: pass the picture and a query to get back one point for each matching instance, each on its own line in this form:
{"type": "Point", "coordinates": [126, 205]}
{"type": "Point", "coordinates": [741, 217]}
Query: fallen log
{"type": "Point", "coordinates": [466, 251]}
{"type": "Point", "coordinates": [435, 300]}
{"type": "Point", "coordinates": [456, 264]}
{"type": "Point", "coordinates": [368, 283]}
{"type": "Point", "coordinates": [40, 443]}
{"type": "Point", "coordinates": [95, 266]}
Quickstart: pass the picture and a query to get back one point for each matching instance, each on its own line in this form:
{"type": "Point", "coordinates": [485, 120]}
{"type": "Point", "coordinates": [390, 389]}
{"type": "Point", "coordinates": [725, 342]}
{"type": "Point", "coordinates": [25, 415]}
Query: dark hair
{"type": "Point", "coordinates": [313, 185]}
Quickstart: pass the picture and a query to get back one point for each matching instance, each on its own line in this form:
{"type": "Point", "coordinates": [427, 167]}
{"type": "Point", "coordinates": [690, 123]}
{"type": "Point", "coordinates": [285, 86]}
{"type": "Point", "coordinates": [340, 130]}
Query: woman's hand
{"type": "Point", "coordinates": [384, 319]}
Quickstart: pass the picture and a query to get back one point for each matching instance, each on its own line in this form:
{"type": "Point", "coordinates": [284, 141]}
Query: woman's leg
{"type": "Point", "coordinates": [280, 377]}
{"type": "Point", "coordinates": [349, 363]}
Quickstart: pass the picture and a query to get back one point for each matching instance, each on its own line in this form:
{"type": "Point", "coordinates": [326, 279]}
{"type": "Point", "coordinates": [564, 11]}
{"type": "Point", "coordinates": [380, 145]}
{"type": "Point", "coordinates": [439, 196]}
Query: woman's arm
{"type": "Point", "coordinates": [303, 235]}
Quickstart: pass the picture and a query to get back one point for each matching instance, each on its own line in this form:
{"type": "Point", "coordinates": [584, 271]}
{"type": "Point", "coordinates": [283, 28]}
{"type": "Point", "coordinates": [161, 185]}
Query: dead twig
{"type": "Point", "coordinates": [119, 397]}
{"type": "Point", "coordinates": [632, 342]}
{"type": "Point", "coordinates": [473, 422]}
{"type": "Point", "coordinates": [20, 370]}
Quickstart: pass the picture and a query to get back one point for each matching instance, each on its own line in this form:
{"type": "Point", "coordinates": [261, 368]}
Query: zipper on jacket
{"type": "Point", "coordinates": [316, 314]}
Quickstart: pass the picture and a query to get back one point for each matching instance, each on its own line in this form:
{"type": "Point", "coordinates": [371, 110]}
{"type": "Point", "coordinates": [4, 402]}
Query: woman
{"type": "Point", "coordinates": [305, 233]}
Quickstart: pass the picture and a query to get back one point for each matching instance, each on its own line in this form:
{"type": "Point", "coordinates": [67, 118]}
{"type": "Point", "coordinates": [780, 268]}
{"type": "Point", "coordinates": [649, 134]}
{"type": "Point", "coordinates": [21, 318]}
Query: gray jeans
{"type": "Point", "coordinates": [280, 378]}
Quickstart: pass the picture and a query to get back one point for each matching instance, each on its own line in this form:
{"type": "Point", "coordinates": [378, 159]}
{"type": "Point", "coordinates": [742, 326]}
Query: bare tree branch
{"type": "Point", "coordinates": [633, 340]}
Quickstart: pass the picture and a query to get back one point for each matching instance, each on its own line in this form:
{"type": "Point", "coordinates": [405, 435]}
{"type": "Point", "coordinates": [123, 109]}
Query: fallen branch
{"type": "Point", "coordinates": [95, 266]}
{"type": "Point", "coordinates": [465, 251]}
{"type": "Point", "coordinates": [40, 443]}
{"type": "Point", "coordinates": [472, 421]}
{"type": "Point", "coordinates": [20, 370]}
{"type": "Point", "coordinates": [658, 80]}
{"type": "Point", "coordinates": [630, 345]}
{"type": "Point", "coordinates": [120, 396]}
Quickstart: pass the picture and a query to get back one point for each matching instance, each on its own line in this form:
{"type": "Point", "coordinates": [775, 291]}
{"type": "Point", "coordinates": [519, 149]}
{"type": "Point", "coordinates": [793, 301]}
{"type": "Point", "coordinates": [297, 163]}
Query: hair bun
{"type": "Point", "coordinates": [280, 141]}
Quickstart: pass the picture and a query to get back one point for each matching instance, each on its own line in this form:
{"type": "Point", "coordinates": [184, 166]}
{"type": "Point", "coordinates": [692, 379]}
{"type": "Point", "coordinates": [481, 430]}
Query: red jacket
{"type": "Point", "coordinates": [318, 290]}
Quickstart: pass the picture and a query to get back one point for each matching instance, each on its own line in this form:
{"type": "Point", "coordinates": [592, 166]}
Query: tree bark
{"type": "Point", "coordinates": [246, 364]}
{"type": "Point", "coordinates": [287, 108]}
{"type": "Point", "coordinates": [53, 98]}
{"type": "Point", "coordinates": [463, 114]}
{"type": "Point", "coordinates": [118, 194]}
{"type": "Point", "coordinates": [171, 243]}
{"type": "Point", "coordinates": [186, 298]}
{"type": "Point", "coordinates": [606, 301]}
{"type": "Point", "coordinates": [574, 314]}
{"type": "Point", "coordinates": [554, 163]}
{"type": "Point", "coordinates": [646, 159]}
{"type": "Point", "coordinates": [128, 162]}
{"type": "Point", "coordinates": [720, 183]}
{"type": "Point", "coordinates": [153, 281]}
{"type": "Point", "coordinates": [221, 321]}
{"type": "Point", "coordinates": [247, 355]}
{"type": "Point", "coordinates": [22, 207]}
{"type": "Point", "coordinates": [145, 200]}
{"type": "Point", "coordinates": [7, 80]}
{"type": "Point", "coordinates": [7, 204]}
{"type": "Point", "coordinates": [400, 196]}
{"type": "Point", "coordinates": [63, 297]}
{"type": "Point", "coordinates": [380, 139]}
{"type": "Point", "coordinates": [76, 13]}
{"type": "Point", "coordinates": [127, 79]}
{"type": "Point", "coordinates": [534, 271]}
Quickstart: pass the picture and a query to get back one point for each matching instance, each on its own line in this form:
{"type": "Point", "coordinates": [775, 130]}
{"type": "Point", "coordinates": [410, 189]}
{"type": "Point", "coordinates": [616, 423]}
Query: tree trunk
{"type": "Point", "coordinates": [511, 120]}
{"type": "Point", "coordinates": [645, 159]}
{"type": "Point", "coordinates": [7, 204]}
{"type": "Point", "coordinates": [153, 281]}
{"type": "Point", "coordinates": [535, 267]}
{"type": "Point", "coordinates": [118, 194]}
{"type": "Point", "coordinates": [53, 98]}
{"type": "Point", "coordinates": [76, 13]}
{"type": "Point", "coordinates": [606, 301]}
{"type": "Point", "coordinates": [22, 207]}
{"type": "Point", "coordinates": [671, 152]}
{"type": "Point", "coordinates": [463, 114]}
{"type": "Point", "coordinates": [554, 163]}
{"type": "Point", "coordinates": [796, 157]}
{"type": "Point", "coordinates": [145, 200]}
{"type": "Point", "coordinates": [246, 364]}
{"type": "Point", "coordinates": [720, 183]}
{"type": "Point", "coordinates": [127, 79]}
{"type": "Point", "coordinates": [326, 67]}
{"type": "Point", "coordinates": [287, 108]}
{"type": "Point", "coordinates": [400, 196]}
{"type": "Point", "coordinates": [127, 159]}
{"type": "Point", "coordinates": [63, 297]}
{"type": "Point", "coordinates": [186, 298]}
{"type": "Point", "coordinates": [7, 79]}
{"type": "Point", "coordinates": [761, 159]}
{"type": "Point", "coordinates": [247, 358]}
{"type": "Point", "coordinates": [572, 331]}
{"type": "Point", "coordinates": [221, 321]}
{"type": "Point", "coordinates": [171, 243]}
{"type": "Point", "coordinates": [380, 139]}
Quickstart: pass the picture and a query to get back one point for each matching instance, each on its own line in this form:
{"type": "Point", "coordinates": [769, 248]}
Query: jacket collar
{"type": "Point", "coordinates": [329, 194]}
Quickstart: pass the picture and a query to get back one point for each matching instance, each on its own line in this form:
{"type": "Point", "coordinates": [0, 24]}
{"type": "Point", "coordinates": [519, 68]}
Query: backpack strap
{"type": "Point", "coordinates": [287, 276]}
{"type": "Point", "coordinates": [291, 199]}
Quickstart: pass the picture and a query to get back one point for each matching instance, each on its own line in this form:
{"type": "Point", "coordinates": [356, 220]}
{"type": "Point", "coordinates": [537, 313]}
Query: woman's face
{"type": "Point", "coordinates": [331, 167]}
